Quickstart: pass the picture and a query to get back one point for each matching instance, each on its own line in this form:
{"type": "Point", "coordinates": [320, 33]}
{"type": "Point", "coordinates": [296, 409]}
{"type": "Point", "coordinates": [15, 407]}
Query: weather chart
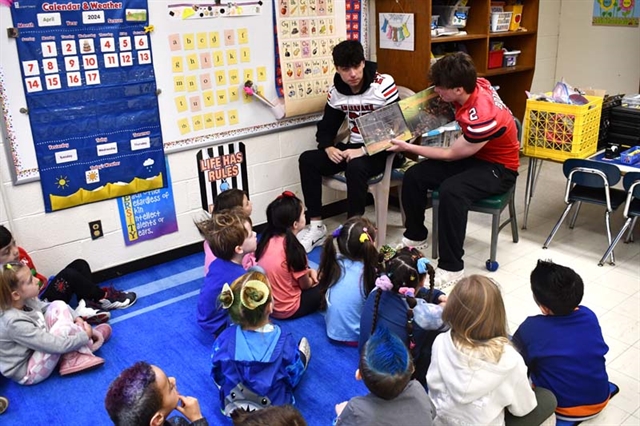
{"type": "Point", "coordinates": [90, 88]}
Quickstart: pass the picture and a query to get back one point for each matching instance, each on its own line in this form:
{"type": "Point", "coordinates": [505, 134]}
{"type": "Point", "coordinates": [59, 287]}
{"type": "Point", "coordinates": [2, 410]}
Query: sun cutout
{"type": "Point", "coordinates": [62, 182]}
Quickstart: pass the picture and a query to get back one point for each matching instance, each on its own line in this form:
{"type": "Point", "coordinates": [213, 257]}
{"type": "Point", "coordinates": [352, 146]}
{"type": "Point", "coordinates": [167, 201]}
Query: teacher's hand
{"type": "Point", "coordinates": [398, 146]}
{"type": "Point", "coordinates": [334, 154]}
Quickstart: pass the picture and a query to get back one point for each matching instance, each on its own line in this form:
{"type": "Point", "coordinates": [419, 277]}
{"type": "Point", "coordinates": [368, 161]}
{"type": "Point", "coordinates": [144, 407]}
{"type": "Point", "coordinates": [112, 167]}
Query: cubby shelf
{"type": "Point", "coordinates": [411, 69]}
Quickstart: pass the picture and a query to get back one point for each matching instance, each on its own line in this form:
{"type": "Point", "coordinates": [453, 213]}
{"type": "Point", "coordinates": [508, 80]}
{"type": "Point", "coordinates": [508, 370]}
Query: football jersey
{"type": "Point", "coordinates": [484, 117]}
{"type": "Point", "coordinates": [381, 92]}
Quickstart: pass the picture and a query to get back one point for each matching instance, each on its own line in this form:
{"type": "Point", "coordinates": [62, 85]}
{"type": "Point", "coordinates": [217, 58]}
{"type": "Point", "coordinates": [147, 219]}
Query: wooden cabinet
{"type": "Point", "coordinates": [411, 69]}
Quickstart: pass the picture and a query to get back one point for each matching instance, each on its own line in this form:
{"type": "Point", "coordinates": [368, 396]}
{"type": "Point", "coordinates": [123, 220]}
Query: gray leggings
{"type": "Point", "coordinates": [546, 407]}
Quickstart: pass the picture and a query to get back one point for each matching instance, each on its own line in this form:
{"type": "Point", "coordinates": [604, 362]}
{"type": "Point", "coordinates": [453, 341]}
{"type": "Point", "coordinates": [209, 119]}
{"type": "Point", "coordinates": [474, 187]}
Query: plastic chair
{"type": "Point", "coordinates": [631, 184]}
{"type": "Point", "coordinates": [493, 205]}
{"type": "Point", "coordinates": [380, 185]}
{"type": "Point", "coordinates": [590, 182]}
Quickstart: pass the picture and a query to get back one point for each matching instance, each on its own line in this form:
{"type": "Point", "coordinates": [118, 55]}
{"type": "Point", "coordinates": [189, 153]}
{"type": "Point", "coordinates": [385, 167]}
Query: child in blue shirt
{"type": "Point", "coordinates": [254, 363]}
{"type": "Point", "coordinates": [564, 347]}
{"type": "Point", "coordinates": [348, 277]}
{"type": "Point", "coordinates": [231, 237]}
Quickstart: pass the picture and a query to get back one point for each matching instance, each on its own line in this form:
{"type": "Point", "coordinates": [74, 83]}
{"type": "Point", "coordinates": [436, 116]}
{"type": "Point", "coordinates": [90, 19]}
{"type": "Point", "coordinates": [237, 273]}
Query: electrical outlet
{"type": "Point", "coordinates": [96, 229]}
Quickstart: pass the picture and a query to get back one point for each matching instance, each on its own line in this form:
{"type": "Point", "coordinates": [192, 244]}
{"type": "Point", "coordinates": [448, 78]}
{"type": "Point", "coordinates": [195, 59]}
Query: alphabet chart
{"type": "Point", "coordinates": [90, 92]}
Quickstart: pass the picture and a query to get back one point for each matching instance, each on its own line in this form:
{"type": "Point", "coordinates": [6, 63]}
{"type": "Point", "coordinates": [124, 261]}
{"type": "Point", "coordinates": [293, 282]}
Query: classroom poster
{"type": "Point", "coordinates": [91, 97]}
{"type": "Point", "coordinates": [221, 167]}
{"type": "Point", "coordinates": [148, 215]}
{"type": "Point", "coordinates": [621, 13]}
{"type": "Point", "coordinates": [396, 31]}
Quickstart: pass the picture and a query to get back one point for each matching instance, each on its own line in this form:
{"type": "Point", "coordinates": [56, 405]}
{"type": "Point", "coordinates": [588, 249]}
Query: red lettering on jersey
{"type": "Point", "coordinates": [378, 79]}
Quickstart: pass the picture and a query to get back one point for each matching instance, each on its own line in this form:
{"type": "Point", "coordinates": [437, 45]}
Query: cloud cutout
{"type": "Point", "coordinates": [148, 162]}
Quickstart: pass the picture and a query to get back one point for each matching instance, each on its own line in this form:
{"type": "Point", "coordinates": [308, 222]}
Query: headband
{"type": "Point", "coordinates": [255, 285]}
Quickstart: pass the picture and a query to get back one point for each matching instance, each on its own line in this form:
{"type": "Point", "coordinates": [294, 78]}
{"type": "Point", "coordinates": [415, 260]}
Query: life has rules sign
{"type": "Point", "coordinates": [90, 89]}
{"type": "Point", "coordinates": [220, 168]}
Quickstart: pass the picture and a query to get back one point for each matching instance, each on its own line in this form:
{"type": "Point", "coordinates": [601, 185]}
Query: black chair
{"type": "Point", "coordinates": [589, 182]}
{"type": "Point", "coordinates": [631, 184]}
{"type": "Point", "coordinates": [493, 205]}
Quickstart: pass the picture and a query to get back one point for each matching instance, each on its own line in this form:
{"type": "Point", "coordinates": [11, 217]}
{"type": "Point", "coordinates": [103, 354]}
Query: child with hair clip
{"type": "Point", "coordinates": [231, 237]}
{"type": "Point", "coordinates": [75, 279]}
{"type": "Point", "coordinates": [226, 200]}
{"type": "Point", "coordinates": [35, 335]}
{"type": "Point", "coordinates": [284, 259]}
{"type": "Point", "coordinates": [475, 372]}
{"type": "Point", "coordinates": [143, 395]}
{"type": "Point", "coordinates": [386, 367]}
{"type": "Point", "coordinates": [281, 415]}
{"type": "Point", "coordinates": [348, 276]}
{"type": "Point", "coordinates": [416, 320]}
{"type": "Point", "coordinates": [254, 363]}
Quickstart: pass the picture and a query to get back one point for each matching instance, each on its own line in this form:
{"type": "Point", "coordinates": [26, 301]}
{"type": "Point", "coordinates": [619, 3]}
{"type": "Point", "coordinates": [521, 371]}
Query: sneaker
{"type": "Point", "coordinates": [444, 279]}
{"type": "Point", "coordinates": [305, 351]}
{"type": "Point", "coordinates": [101, 334]}
{"type": "Point", "coordinates": [4, 404]}
{"type": "Point", "coordinates": [75, 362]}
{"type": "Point", "coordinates": [92, 313]}
{"type": "Point", "coordinates": [313, 238]}
{"type": "Point", "coordinates": [418, 245]}
{"type": "Point", "coordinates": [116, 299]}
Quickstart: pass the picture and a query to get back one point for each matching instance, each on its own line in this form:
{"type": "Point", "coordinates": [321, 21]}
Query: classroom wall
{"type": "Point", "coordinates": [564, 41]}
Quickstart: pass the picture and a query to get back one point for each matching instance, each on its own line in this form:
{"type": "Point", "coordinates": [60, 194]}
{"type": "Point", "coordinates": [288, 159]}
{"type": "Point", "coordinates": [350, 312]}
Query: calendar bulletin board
{"type": "Point", "coordinates": [201, 55]}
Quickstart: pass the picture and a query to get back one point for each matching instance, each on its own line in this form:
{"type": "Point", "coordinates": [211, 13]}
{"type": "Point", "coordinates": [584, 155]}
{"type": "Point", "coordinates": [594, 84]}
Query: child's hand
{"type": "Point", "coordinates": [190, 408]}
{"type": "Point", "coordinates": [313, 276]}
{"type": "Point", "coordinates": [442, 300]}
{"type": "Point", "coordinates": [340, 407]}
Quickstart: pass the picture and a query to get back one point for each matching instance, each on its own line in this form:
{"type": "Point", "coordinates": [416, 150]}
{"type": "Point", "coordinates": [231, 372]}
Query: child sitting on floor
{"type": "Point", "coordinates": [227, 200]}
{"type": "Point", "coordinates": [280, 415]}
{"type": "Point", "coordinates": [564, 347]}
{"type": "Point", "coordinates": [231, 238]}
{"type": "Point", "coordinates": [34, 335]}
{"type": "Point", "coordinates": [416, 320]}
{"type": "Point", "coordinates": [386, 368]}
{"type": "Point", "coordinates": [143, 395]}
{"type": "Point", "coordinates": [254, 363]}
{"type": "Point", "coordinates": [475, 372]}
{"type": "Point", "coordinates": [348, 277]}
{"type": "Point", "coordinates": [280, 254]}
{"type": "Point", "coordinates": [74, 279]}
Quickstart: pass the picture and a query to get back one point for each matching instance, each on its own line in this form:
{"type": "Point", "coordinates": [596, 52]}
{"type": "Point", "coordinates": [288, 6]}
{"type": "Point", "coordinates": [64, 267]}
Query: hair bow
{"type": "Point", "coordinates": [407, 291]}
{"type": "Point", "coordinates": [364, 236]}
{"type": "Point", "coordinates": [336, 232]}
{"type": "Point", "coordinates": [247, 301]}
{"type": "Point", "coordinates": [422, 265]}
{"type": "Point", "coordinates": [226, 291]}
{"type": "Point", "coordinates": [384, 283]}
{"type": "Point", "coordinates": [287, 194]}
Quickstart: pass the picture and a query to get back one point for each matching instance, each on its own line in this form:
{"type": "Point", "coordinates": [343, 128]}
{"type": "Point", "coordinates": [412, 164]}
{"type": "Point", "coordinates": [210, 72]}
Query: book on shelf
{"type": "Point", "coordinates": [407, 119]}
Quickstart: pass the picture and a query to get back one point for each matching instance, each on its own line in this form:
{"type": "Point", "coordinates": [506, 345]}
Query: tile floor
{"type": "Point", "coordinates": [612, 292]}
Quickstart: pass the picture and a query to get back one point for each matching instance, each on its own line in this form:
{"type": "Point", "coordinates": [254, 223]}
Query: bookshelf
{"type": "Point", "coordinates": [411, 69]}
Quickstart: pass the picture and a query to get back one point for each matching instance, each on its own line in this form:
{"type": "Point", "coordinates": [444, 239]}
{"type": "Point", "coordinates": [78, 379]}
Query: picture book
{"type": "Point", "coordinates": [407, 119]}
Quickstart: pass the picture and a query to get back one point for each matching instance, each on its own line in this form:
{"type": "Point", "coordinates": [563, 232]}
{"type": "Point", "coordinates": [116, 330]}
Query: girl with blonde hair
{"type": "Point", "coordinates": [475, 372]}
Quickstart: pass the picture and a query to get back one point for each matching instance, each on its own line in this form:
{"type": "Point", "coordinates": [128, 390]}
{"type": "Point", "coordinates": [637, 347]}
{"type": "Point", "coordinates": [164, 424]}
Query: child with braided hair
{"type": "Point", "coordinates": [254, 363]}
{"type": "Point", "coordinates": [348, 276]}
{"type": "Point", "coordinates": [416, 320]}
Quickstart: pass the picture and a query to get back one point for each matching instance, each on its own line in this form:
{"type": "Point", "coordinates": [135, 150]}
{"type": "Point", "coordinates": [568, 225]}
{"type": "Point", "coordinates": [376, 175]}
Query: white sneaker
{"type": "Point", "coordinates": [418, 245]}
{"type": "Point", "coordinates": [92, 314]}
{"type": "Point", "coordinates": [314, 237]}
{"type": "Point", "coordinates": [444, 279]}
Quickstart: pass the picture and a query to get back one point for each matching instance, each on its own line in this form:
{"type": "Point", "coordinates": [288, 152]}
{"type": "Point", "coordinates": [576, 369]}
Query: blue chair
{"type": "Point", "coordinates": [589, 182]}
{"type": "Point", "coordinates": [493, 205]}
{"type": "Point", "coordinates": [631, 184]}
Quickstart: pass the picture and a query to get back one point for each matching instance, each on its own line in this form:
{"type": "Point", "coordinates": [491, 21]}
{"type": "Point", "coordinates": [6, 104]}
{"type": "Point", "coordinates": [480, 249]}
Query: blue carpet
{"type": "Point", "coordinates": [161, 329]}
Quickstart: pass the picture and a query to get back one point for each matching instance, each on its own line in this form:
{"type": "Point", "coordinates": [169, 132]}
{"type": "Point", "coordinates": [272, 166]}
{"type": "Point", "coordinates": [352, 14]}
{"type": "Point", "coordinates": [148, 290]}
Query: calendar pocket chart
{"type": "Point", "coordinates": [90, 91]}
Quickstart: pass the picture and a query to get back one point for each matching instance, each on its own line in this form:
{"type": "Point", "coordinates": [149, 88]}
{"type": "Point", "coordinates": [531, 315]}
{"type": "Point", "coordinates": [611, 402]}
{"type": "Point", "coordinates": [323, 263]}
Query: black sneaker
{"type": "Point", "coordinates": [116, 299]}
{"type": "Point", "coordinates": [92, 312]}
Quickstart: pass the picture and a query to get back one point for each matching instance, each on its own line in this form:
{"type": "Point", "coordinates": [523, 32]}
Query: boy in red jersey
{"type": "Point", "coordinates": [482, 162]}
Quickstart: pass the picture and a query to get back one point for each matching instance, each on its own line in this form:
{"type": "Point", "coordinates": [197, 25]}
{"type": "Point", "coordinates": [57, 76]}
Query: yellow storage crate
{"type": "Point", "coordinates": [560, 131]}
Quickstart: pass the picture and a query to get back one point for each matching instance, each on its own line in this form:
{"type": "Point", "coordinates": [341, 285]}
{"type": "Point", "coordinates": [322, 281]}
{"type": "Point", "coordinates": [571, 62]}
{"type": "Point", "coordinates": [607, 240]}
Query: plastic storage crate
{"type": "Point", "coordinates": [559, 131]}
{"type": "Point", "coordinates": [500, 21]}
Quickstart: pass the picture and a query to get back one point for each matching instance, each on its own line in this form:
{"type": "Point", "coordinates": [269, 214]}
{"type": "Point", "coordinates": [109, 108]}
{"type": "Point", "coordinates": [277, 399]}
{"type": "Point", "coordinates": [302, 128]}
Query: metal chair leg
{"type": "Point", "coordinates": [607, 218]}
{"type": "Point", "coordinates": [629, 238]}
{"type": "Point", "coordinates": [627, 225]}
{"type": "Point", "coordinates": [434, 227]}
{"type": "Point", "coordinates": [575, 215]}
{"type": "Point", "coordinates": [555, 228]}
{"type": "Point", "coordinates": [495, 231]}
{"type": "Point", "coordinates": [514, 218]}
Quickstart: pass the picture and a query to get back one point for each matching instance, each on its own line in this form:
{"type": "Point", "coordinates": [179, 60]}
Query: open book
{"type": "Point", "coordinates": [404, 120]}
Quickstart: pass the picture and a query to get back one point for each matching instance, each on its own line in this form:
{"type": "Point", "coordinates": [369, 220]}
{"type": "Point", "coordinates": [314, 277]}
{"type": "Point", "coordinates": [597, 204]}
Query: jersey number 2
{"type": "Point", "coordinates": [473, 115]}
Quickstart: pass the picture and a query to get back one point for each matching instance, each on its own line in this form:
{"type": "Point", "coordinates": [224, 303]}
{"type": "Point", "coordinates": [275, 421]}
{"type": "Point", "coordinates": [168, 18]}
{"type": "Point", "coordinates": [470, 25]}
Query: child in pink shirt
{"type": "Point", "coordinates": [284, 259]}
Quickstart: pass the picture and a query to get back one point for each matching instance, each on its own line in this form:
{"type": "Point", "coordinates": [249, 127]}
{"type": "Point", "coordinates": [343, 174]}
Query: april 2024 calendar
{"type": "Point", "coordinates": [90, 88]}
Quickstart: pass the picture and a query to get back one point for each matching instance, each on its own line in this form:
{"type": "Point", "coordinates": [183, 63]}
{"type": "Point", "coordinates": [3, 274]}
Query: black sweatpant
{"type": "Point", "coordinates": [74, 279]}
{"type": "Point", "coordinates": [460, 183]}
{"type": "Point", "coordinates": [315, 163]}
{"type": "Point", "coordinates": [310, 301]}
